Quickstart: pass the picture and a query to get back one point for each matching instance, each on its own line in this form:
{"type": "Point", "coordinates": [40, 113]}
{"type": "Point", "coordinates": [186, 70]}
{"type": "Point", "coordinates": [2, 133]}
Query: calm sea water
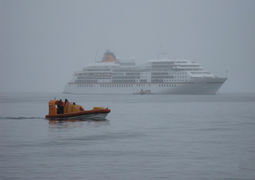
{"type": "Point", "coordinates": [144, 137]}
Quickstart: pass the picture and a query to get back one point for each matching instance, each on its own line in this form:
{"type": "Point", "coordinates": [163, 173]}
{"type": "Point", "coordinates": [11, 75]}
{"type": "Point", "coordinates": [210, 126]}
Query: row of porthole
{"type": "Point", "coordinates": [124, 85]}
{"type": "Point", "coordinates": [176, 80]}
{"type": "Point", "coordinates": [85, 85]}
{"type": "Point", "coordinates": [167, 85]}
{"type": "Point", "coordinates": [116, 85]}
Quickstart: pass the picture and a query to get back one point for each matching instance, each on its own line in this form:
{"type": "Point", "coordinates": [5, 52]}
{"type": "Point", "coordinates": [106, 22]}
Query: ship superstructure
{"type": "Point", "coordinates": [161, 76]}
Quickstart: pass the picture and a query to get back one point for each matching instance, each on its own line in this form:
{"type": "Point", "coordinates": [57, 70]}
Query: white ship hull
{"type": "Point", "coordinates": [198, 86]}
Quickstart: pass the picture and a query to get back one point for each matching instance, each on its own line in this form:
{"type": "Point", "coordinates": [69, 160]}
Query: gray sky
{"type": "Point", "coordinates": [42, 43]}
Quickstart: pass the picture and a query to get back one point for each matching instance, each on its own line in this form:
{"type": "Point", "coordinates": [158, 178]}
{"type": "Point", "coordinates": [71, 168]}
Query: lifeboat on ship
{"type": "Point", "coordinates": [72, 111]}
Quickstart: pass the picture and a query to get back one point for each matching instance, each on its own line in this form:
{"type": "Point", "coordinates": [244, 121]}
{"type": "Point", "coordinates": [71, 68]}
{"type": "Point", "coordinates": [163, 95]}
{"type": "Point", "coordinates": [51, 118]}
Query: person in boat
{"type": "Point", "coordinates": [66, 102]}
{"type": "Point", "coordinates": [60, 107]}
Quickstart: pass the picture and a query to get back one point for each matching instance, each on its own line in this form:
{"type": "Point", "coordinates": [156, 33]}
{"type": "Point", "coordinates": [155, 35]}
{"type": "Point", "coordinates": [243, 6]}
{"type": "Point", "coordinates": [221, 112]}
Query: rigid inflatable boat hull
{"type": "Point", "coordinates": [91, 114]}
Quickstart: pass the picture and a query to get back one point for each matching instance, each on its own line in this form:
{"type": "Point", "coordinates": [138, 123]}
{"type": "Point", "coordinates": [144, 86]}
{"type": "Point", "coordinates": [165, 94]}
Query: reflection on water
{"type": "Point", "coordinates": [76, 123]}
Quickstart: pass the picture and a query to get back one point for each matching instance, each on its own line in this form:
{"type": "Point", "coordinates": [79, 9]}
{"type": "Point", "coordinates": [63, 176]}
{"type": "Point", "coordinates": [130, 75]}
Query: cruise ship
{"type": "Point", "coordinates": [159, 76]}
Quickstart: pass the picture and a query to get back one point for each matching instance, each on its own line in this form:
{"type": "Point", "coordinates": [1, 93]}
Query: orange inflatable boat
{"type": "Point", "coordinates": [72, 111]}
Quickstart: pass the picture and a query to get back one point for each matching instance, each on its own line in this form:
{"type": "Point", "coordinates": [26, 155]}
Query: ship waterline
{"type": "Point", "coordinates": [163, 76]}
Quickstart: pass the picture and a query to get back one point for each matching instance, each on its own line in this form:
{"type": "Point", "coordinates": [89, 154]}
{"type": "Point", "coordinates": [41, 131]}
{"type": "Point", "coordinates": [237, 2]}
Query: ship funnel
{"type": "Point", "coordinates": [108, 57]}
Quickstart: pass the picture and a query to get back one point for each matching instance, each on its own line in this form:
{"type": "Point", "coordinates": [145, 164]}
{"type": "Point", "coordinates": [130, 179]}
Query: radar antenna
{"type": "Point", "coordinates": [162, 53]}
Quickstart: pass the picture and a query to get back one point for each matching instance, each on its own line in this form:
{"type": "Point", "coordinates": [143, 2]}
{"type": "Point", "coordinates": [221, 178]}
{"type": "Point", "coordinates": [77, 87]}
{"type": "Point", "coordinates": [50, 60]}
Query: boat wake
{"type": "Point", "coordinates": [21, 118]}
